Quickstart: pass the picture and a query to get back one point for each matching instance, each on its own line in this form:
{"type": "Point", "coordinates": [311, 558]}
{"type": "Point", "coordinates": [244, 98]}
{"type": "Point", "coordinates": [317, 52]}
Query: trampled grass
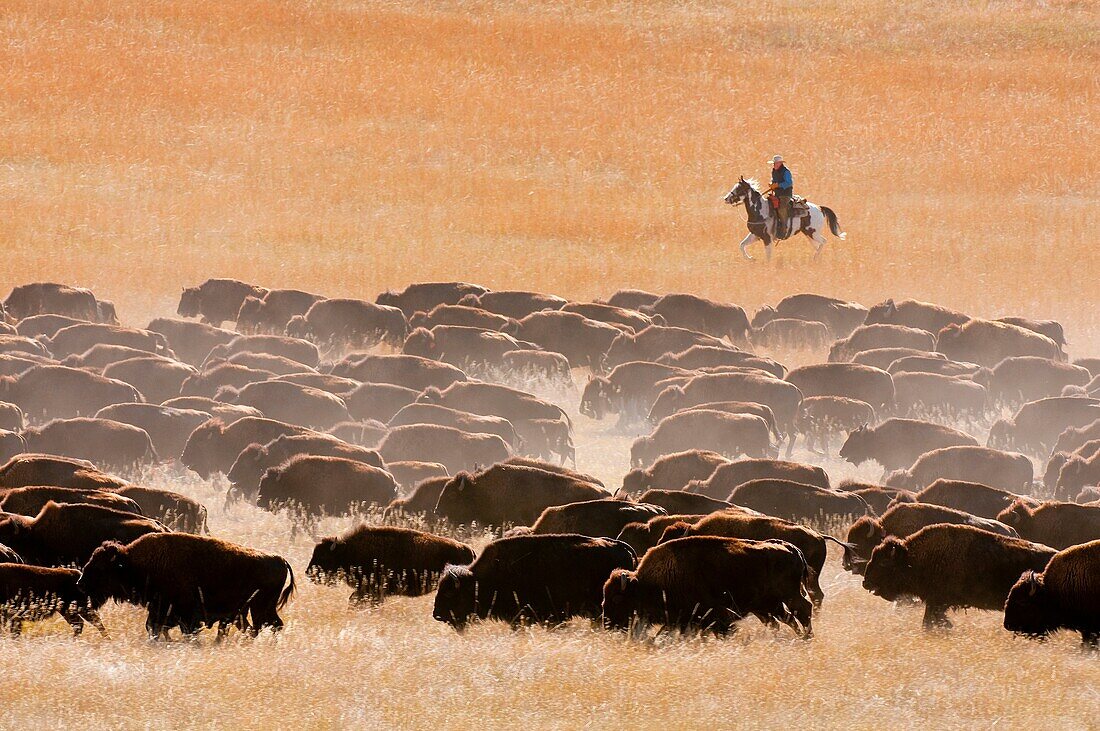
{"type": "Point", "coordinates": [348, 147]}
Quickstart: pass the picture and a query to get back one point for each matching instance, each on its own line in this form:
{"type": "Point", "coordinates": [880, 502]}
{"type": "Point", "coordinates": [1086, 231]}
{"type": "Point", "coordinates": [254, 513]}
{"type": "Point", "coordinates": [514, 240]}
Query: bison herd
{"type": "Point", "coordinates": [447, 406]}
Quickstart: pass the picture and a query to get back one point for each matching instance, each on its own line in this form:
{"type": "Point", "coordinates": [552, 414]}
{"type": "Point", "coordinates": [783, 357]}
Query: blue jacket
{"type": "Point", "coordinates": [783, 180]}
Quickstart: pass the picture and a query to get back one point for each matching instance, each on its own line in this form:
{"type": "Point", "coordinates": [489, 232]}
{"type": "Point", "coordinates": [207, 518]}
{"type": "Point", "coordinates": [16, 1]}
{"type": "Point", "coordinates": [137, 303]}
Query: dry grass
{"type": "Point", "coordinates": [348, 147]}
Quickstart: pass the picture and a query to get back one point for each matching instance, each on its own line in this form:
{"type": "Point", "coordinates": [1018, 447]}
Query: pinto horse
{"type": "Point", "coordinates": [763, 220]}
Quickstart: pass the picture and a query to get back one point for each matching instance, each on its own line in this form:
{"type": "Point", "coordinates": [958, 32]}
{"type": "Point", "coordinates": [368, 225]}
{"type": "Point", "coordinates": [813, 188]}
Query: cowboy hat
{"type": "Point", "coordinates": [777, 158]}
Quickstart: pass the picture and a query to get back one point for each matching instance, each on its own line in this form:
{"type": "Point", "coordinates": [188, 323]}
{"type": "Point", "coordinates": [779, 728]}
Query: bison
{"type": "Point", "coordinates": [796, 501]}
{"type": "Point", "coordinates": [596, 518]}
{"type": "Point", "coordinates": [673, 471]}
{"type": "Point", "coordinates": [1064, 595]}
{"type": "Point", "coordinates": [325, 485]}
{"type": "Point", "coordinates": [34, 593]}
{"type": "Point", "coordinates": [987, 343]}
{"type": "Point", "coordinates": [729, 476]}
{"type": "Point", "coordinates": [1005, 470]}
{"type": "Point", "coordinates": [728, 434]}
{"type": "Point", "coordinates": [1058, 525]}
{"type": "Point", "coordinates": [109, 443]}
{"type": "Point", "coordinates": [898, 443]}
{"type": "Point", "coordinates": [216, 300]}
{"type": "Point", "coordinates": [65, 535]}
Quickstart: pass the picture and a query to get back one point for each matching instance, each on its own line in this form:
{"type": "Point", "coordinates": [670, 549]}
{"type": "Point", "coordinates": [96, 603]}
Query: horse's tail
{"type": "Point", "coordinates": [833, 225]}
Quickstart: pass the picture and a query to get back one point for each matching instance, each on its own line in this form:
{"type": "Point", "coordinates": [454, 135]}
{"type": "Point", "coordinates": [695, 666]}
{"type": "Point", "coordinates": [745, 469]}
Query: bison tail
{"type": "Point", "coordinates": [834, 226]}
{"type": "Point", "coordinates": [289, 589]}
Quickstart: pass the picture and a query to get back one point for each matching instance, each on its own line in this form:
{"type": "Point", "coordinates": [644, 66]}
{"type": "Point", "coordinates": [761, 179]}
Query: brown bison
{"type": "Point", "coordinates": [597, 518]}
{"type": "Point", "coordinates": [1036, 426]}
{"type": "Point", "coordinates": [783, 332]}
{"type": "Point", "coordinates": [849, 380]}
{"type": "Point", "coordinates": [455, 449]}
{"type": "Point", "coordinates": [1064, 595]}
{"type": "Point", "coordinates": [579, 339]}
{"type": "Point", "coordinates": [191, 582]}
{"type": "Point", "coordinates": [421, 500]}
{"type": "Point", "coordinates": [1005, 470]}
{"type": "Point", "coordinates": [64, 535]}
{"type": "Point", "coordinates": [415, 413]}
{"type": "Point", "coordinates": [912, 313]}
{"type": "Point", "coordinates": [632, 299]}
{"type": "Point", "coordinates": [524, 365]}
{"type": "Point", "coordinates": [903, 520]}
{"type": "Point", "coordinates": [376, 561]}
{"type": "Point", "coordinates": [707, 356]}
{"type": "Point", "coordinates": [796, 501]}
{"type": "Point", "coordinates": [34, 593]}
{"type": "Point", "coordinates": [325, 485]}
{"type": "Point", "coordinates": [820, 417]}
{"type": "Point", "coordinates": [215, 377]}
{"type": "Point", "coordinates": [463, 347]}
{"type": "Point", "coordinates": [423, 296]}
{"type": "Point", "coordinates": [1051, 328]}
{"type": "Point", "coordinates": [673, 471]}
{"type": "Point", "coordinates": [709, 583]}
{"type": "Point", "coordinates": [256, 459]}
{"type": "Point", "coordinates": [680, 501]}
{"type": "Point", "coordinates": [31, 499]}
{"type": "Point", "coordinates": [987, 343]}
{"type": "Point", "coordinates": [952, 567]}
{"type": "Point", "coordinates": [76, 339]}
{"type": "Point", "coordinates": [972, 497]}
{"type": "Point", "coordinates": [11, 444]}
{"type": "Point", "coordinates": [842, 317]}
{"type": "Point", "coordinates": [644, 536]}
{"type": "Point", "coordinates": [656, 341]}
{"type": "Point", "coordinates": [214, 446]}
{"type": "Point", "coordinates": [270, 314]}
{"type": "Point", "coordinates": [349, 323]}
{"type": "Point", "coordinates": [629, 390]}
{"type": "Point", "coordinates": [874, 337]}
{"type": "Point", "coordinates": [1026, 378]}
{"type": "Point", "coordinates": [729, 476]}
{"type": "Point", "coordinates": [929, 363]}
{"type": "Point", "coordinates": [514, 304]}
{"type": "Point", "coordinates": [692, 312]}
{"type": "Point", "coordinates": [935, 394]}
{"type": "Point", "coordinates": [403, 370]}
{"type": "Point", "coordinates": [898, 443]}
{"type": "Point", "coordinates": [157, 379]}
{"type": "Point", "coordinates": [781, 397]}
{"type": "Point", "coordinates": [610, 314]}
{"type": "Point", "coordinates": [216, 300]}
{"type": "Point", "coordinates": [175, 511]}
{"type": "Point", "coordinates": [731, 435]}
{"type": "Point", "coordinates": [510, 494]}
{"type": "Point", "coordinates": [11, 417]}
{"type": "Point", "coordinates": [490, 399]}
{"type": "Point", "coordinates": [1058, 525]}
{"type": "Point", "coordinates": [459, 315]}
{"type": "Point", "coordinates": [191, 341]}
{"type": "Point", "coordinates": [58, 392]}
{"type": "Point", "coordinates": [40, 298]}
{"type": "Point", "coordinates": [1078, 470]}
{"type": "Point", "coordinates": [296, 349]}
{"type": "Point", "coordinates": [109, 443]}
{"type": "Point", "coordinates": [531, 578]}
{"type": "Point", "coordinates": [289, 402]}
{"type": "Point", "coordinates": [47, 469]}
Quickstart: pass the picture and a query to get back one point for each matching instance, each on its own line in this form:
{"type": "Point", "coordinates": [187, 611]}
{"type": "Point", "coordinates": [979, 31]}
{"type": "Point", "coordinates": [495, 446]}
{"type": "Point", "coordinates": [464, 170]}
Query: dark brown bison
{"type": "Point", "coordinates": [421, 500]}
{"type": "Point", "coordinates": [44, 325]}
{"type": "Point", "coordinates": [1058, 525]}
{"type": "Point", "coordinates": [76, 339]}
{"type": "Point", "coordinates": [692, 312]}
{"type": "Point", "coordinates": [455, 449]}
{"type": "Point", "coordinates": [415, 413]}
{"type": "Point", "coordinates": [952, 567]}
{"type": "Point", "coordinates": [781, 397]}
{"type": "Point", "coordinates": [30, 500]}
{"type": "Point", "coordinates": [469, 348]}
{"type": "Point", "coordinates": [1078, 470]}
{"type": "Point", "coordinates": [350, 323]}
{"type": "Point", "coordinates": [296, 349]}
{"type": "Point", "coordinates": [174, 510]}
{"type": "Point", "coordinates": [1005, 470]}
{"type": "Point", "coordinates": [323, 381]}
{"type": "Point", "coordinates": [57, 392]}
{"type": "Point", "coordinates": [579, 339]}
{"type": "Point", "coordinates": [510, 494]}
{"type": "Point", "coordinates": [709, 583]}
{"type": "Point", "coordinates": [11, 444]}
{"type": "Point", "coordinates": [157, 379]}
{"type": "Point", "coordinates": [377, 560]}
{"type": "Point", "coordinates": [898, 443]}
{"type": "Point", "coordinates": [109, 443]}
{"type": "Point", "coordinates": [644, 536]}
{"type": "Point", "coordinates": [546, 439]}
{"type": "Point", "coordinates": [973, 497]}
{"type": "Point", "coordinates": [612, 315]}
{"type": "Point", "coordinates": [216, 300]}
{"type": "Point", "coordinates": [629, 390]}
{"type": "Point", "coordinates": [215, 377]}
{"type": "Point", "coordinates": [632, 299]}
{"type": "Point", "coordinates": [289, 402]}
{"type": "Point", "coordinates": [731, 435]}
{"type": "Point", "coordinates": [403, 370]}
{"type": "Point", "coordinates": [682, 502]}
{"type": "Point", "coordinates": [490, 399]}
{"type": "Point", "coordinates": [903, 520]}
{"type": "Point", "coordinates": [707, 356]}
{"type": "Point", "coordinates": [278, 365]}
{"type": "Point", "coordinates": [729, 476]}
{"type": "Point", "coordinates": [531, 578]}
{"type": "Point", "coordinates": [1036, 426]}
{"type": "Point", "coordinates": [1050, 328]}
{"type": "Point", "coordinates": [13, 365]}
{"type": "Point", "coordinates": [98, 357]}
{"type": "Point", "coordinates": [1064, 595]}
{"type": "Point", "coordinates": [423, 296]}
{"type": "Point", "coordinates": [41, 298]}
{"type": "Point", "coordinates": [731, 524]}
{"type": "Point", "coordinates": [64, 535]}
{"type": "Point", "coordinates": [796, 501]}
{"type": "Point", "coordinates": [873, 337]}
{"type": "Point", "coordinates": [514, 304]}
{"type": "Point", "coordinates": [191, 341]}
{"type": "Point", "coordinates": [673, 471]}
{"type": "Point", "coordinates": [325, 485]}
{"type": "Point", "coordinates": [524, 365]}
{"type": "Point", "coordinates": [34, 593]}
{"type": "Point", "coordinates": [935, 394]}
{"type": "Point", "coordinates": [842, 317]}
{"type": "Point", "coordinates": [1028, 378]}
{"type": "Point", "coordinates": [987, 343]}
{"type": "Point", "coordinates": [459, 315]}
{"type": "Point", "coordinates": [596, 518]}
{"type": "Point", "coordinates": [47, 469]}
{"type": "Point", "coordinates": [849, 380]}
{"type": "Point", "coordinates": [820, 417]}
{"type": "Point", "coordinates": [256, 459]}
{"type": "Point", "coordinates": [656, 341]}
{"type": "Point", "coordinates": [228, 413]}
{"type": "Point", "coordinates": [911, 313]}
{"type": "Point", "coordinates": [412, 472]}
{"type": "Point", "coordinates": [15, 344]}
{"type": "Point", "coordinates": [214, 446]}
{"type": "Point", "coordinates": [270, 314]}
{"type": "Point", "coordinates": [191, 582]}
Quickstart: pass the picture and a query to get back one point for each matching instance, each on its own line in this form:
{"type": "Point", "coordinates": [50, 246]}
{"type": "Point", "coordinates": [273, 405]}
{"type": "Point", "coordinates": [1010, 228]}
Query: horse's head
{"type": "Point", "coordinates": [739, 193]}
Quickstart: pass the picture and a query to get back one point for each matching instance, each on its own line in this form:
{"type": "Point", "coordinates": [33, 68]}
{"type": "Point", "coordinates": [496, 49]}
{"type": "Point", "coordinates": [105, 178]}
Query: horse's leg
{"type": "Point", "coordinates": [768, 251]}
{"type": "Point", "coordinates": [745, 244]}
{"type": "Point", "coordinates": [819, 242]}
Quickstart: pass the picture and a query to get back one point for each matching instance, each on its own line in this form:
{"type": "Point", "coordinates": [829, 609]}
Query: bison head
{"type": "Point", "coordinates": [190, 303]}
{"type": "Point", "coordinates": [456, 597]}
{"type": "Point", "coordinates": [431, 395]}
{"type": "Point", "coordinates": [107, 575]}
{"type": "Point", "coordinates": [596, 399]}
{"type": "Point", "coordinates": [1017, 515]}
{"type": "Point", "coordinates": [105, 312]}
{"type": "Point", "coordinates": [863, 536]}
{"type": "Point", "coordinates": [420, 341]}
{"type": "Point", "coordinates": [298, 327]}
{"type": "Point", "coordinates": [640, 452]}
{"type": "Point", "coordinates": [855, 447]}
{"type": "Point", "coordinates": [248, 468]}
{"type": "Point", "coordinates": [668, 402]}
{"type": "Point", "coordinates": [620, 593]}
{"type": "Point", "coordinates": [1001, 435]}
{"type": "Point", "coordinates": [635, 482]}
{"type": "Point", "coordinates": [886, 574]}
{"type": "Point", "coordinates": [327, 562]}
{"type": "Point", "coordinates": [420, 319]}
{"type": "Point", "coordinates": [881, 313]}
{"type": "Point", "coordinates": [674, 531]}
{"type": "Point", "coordinates": [763, 316]}
{"type": "Point", "coordinates": [1027, 610]}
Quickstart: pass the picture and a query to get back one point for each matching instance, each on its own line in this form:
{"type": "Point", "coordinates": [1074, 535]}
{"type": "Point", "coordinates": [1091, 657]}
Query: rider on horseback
{"type": "Point", "coordinates": [781, 189]}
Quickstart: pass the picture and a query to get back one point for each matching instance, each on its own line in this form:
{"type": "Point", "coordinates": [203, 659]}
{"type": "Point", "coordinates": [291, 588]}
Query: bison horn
{"type": "Point", "coordinates": [623, 581]}
{"type": "Point", "coordinates": [870, 529]}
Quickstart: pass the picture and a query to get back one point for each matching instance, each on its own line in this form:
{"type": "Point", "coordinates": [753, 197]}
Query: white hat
{"type": "Point", "coordinates": [777, 158]}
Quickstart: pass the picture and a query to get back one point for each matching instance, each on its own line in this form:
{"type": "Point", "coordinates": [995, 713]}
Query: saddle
{"type": "Point", "coordinates": [798, 210]}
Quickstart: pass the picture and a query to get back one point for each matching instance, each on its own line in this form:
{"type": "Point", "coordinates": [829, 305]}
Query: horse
{"type": "Point", "coordinates": [763, 219]}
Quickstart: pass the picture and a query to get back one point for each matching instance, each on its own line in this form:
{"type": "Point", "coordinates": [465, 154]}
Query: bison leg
{"type": "Point", "coordinates": [935, 617]}
{"type": "Point", "coordinates": [15, 626]}
{"type": "Point", "coordinates": [75, 621]}
{"type": "Point", "coordinates": [92, 616]}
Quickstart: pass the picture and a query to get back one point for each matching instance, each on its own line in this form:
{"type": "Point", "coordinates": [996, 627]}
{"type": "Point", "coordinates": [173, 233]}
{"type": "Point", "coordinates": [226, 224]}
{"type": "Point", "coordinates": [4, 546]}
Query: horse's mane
{"type": "Point", "coordinates": [753, 184]}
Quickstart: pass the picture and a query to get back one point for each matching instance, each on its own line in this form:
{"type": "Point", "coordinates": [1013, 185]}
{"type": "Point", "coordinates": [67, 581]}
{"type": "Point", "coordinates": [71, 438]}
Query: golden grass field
{"type": "Point", "coordinates": [349, 147]}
